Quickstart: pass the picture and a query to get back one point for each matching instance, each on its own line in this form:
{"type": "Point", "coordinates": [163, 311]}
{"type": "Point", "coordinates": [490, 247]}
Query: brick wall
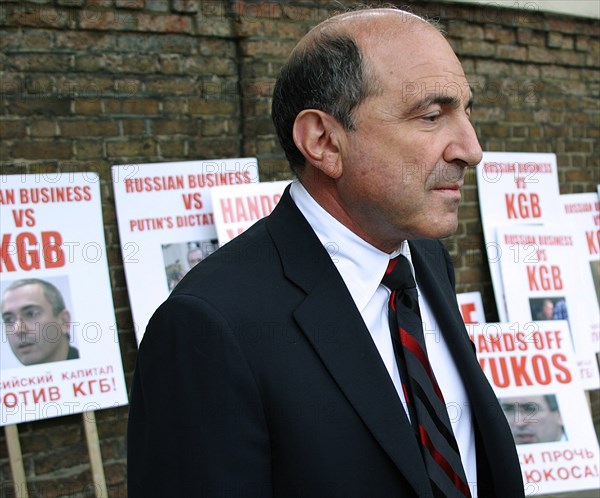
{"type": "Point", "coordinates": [87, 84]}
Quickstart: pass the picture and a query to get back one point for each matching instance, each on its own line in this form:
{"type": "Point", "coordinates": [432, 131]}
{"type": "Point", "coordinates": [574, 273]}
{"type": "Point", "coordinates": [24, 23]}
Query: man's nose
{"type": "Point", "coordinates": [464, 146]}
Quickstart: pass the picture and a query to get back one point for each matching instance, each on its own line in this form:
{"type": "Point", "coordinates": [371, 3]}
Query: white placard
{"type": "Point", "coordinates": [582, 213]}
{"type": "Point", "coordinates": [542, 281]}
{"type": "Point", "coordinates": [532, 370]}
{"type": "Point", "coordinates": [59, 353]}
{"type": "Point", "coordinates": [237, 207]}
{"type": "Point", "coordinates": [166, 223]}
{"type": "Point", "coordinates": [515, 188]}
{"type": "Point", "coordinates": [471, 307]}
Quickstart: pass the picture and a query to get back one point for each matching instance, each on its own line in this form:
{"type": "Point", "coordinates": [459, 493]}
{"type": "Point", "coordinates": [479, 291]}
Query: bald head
{"type": "Point", "coordinates": [332, 69]}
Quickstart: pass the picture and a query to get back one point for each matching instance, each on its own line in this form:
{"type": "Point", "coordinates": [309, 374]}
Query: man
{"type": "Point", "coordinates": [547, 310]}
{"type": "Point", "coordinates": [37, 322]}
{"type": "Point", "coordinates": [194, 256]}
{"type": "Point", "coordinates": [534, 419]}
{"type": "Point", "coordinates": [270, 371]}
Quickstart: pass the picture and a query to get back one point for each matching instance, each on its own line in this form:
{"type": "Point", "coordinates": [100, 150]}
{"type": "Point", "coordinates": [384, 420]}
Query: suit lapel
{"type": "Point", "coordinates": [332, 324]}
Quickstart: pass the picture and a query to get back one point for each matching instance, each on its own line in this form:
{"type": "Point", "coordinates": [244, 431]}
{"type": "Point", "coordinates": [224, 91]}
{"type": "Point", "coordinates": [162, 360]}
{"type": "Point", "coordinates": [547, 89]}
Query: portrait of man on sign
{"type": "Point", "coordinates": [36, 322]}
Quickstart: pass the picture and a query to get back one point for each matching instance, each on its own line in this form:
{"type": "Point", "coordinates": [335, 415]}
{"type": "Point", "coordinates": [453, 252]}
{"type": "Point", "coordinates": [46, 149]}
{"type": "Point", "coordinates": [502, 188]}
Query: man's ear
{"type": "Point", "coordinates": [317, 135]}
{"type": "Point", "coordinates": [65, 321]}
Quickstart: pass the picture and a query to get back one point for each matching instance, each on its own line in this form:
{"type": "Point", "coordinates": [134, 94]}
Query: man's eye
{"type": "Point", "coordinates": [31, 314]}
{"type": "Point", "coordinates": [431, 117]}
{"type": "Point", "coordinates": [9, 319]}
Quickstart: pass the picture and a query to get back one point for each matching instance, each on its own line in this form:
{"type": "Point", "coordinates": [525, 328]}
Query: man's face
{"type": "Point", "coordinates": [34, 333]}
{"type": "Point", "coordinates": [548, 310]}
{"type": "Point", "coordinates": [405, 163]}
{"type": "Point", "coordinates": [531, 420]}
{"type": "Point", "coordinates": [194, 257]}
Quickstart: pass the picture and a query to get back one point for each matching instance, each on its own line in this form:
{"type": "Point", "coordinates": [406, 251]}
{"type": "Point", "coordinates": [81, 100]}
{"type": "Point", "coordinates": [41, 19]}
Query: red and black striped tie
{"type": "Point", "coordinates": [426, 404]}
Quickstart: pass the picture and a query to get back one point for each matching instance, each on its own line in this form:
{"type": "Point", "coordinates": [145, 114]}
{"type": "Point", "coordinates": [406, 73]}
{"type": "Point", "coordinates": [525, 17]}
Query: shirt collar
{"type": "Point", "coordinates": [360, 264]}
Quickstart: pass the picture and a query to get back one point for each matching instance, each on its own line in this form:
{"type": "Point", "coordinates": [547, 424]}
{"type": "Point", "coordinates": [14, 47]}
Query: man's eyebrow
{"type": "Point", "coordinates": [442, 100]}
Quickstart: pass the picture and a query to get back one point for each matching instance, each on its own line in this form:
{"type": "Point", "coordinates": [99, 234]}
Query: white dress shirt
{"type": "Point", "coordinates": [362, 267]}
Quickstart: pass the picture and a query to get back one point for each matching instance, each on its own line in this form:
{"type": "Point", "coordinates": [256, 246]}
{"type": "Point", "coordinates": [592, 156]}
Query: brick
{"type": "Point", "coordinates": [129, 4]}
{"type": "Point", "coordinates": [43, 128]}
{"type": "Point", "coordinates": [218, 127]}
{"type": "Point", "coordinates": [583, 43]}
{"type": "Point", "coordinates": [136, 105]}
{"type": "Point", "coordinates": [166, 43]}
{"type": "Point", "coordinates": [571, 58]}
{"type": "Point", "coordinates": [41, 62]}
{"type": "Point", "coordinates": [244, 10]}
{"type": "Point", "coordinates": [562, 24]}
{"type": "Point", "coordinates": [175, 127]}
{"type": "Point", "coordinates": [539, 54]}
{"type": "Point", "coordinates": [171, 86]}
{"type": "Point", "coordinates": [37, 16]}
{"type": "Point", "coordinates": [529, 37]}
{"type": "Point", "coordinates": [464, 29]}
{"type": "Point", "coordinates": [87, 106]}
{"type": "Point", "coordinates": [201, 106]}
{"type": "Point", "coordinates": [479, 48]}
{"type": "Point", "coordinates": [105, 20]}
{"type": "Point", "coordinates": [134, 127]}
{"type": "Point", "coordinates": [254, 48]}
{"type": "Point", "coordinates": [34, 40]}
{"type": "Point", "coordinates": [189, 6]}
{"type": "Point", "coordinates": [128, 88]}
{"type": "Point", "coordinates": [158, 5]}
{"type": "Point", "coordinates": [214, 26]}
{"type": "Point", "coordinates": [45, 106]}
{"type": "Point", "coordinates": [90, 41]}
{"type": "Point", "coordinates": [164, 23]}
{"type": "Point", "coordinates": [136, 64]}
{"type": "Point", "coordinates": [88, 128]}
{"type": "Point", "coordinates": [77, 86]}
{"type": "Point", "coordinates": [174, 107]}
{"type": "Point", "coordinates": [88, 64]}
{"type": "Point", "coordinates": [170, 64]}
{"type": "Point", "coordinates": [88, 149]}
{"type": "Point", "coordinates": [511, 52]}
{"type": "Point", "coordinates": [74, 485]}
{"type": "Point", "coordinates": [499, 34]}
{"type": "Point", "coordinates": [558, 72]}
{"type": "Point", "coordinates": [131, 147]}
{"type": "Point", "coordinates": [12, 128]}
{"type": "Point", "coordinates": [173, 148]}
{"type": "Point", "coordinates": [42, 150]}
{"type": "Point", "coordinates": [217, 66]}
{"type": "Point", "coordinates": [212, 47]}
{"type": "Point", "coordinates": [209, 148]}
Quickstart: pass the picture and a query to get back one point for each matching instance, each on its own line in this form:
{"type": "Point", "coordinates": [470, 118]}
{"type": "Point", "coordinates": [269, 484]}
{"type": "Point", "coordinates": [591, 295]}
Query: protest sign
{"type": "Point", "coordinates": [166, 223]}
{"type": "Point", "coordinates": [237, 207]}
{"type": "Point", "coordinates": [471, 307]}
{"type": "Point", "coordinates": [514, 188]}
{"type": "Point", "coordinates": [59, 350]}
{"type": "Point", "coordinates": [582, 213]}
{"type": "Point", "coordinates": [542, 281]}
{"type": "Point", "coordinates": [532, 370]}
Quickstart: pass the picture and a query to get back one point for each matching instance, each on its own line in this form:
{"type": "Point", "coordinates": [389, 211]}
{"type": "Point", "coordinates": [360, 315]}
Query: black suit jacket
{"type": "Point", "coordinates": [258, 377]}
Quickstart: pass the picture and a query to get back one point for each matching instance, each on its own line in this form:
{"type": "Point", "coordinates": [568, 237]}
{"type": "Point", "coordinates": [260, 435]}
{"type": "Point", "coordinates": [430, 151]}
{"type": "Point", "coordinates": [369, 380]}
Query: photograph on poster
{"type": "Point", "coordinates": [595, 270]}
{"type": "Point", "coordinates": [36, 322]}
{"type": "Point", "coordinates": [549, 308]}
{"type": "Point", "coordinates": [534, 418]}
{"type": "Point", "coordinates": [534, 372]}
{"type": "Point", "coordinates": [179, 258]}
